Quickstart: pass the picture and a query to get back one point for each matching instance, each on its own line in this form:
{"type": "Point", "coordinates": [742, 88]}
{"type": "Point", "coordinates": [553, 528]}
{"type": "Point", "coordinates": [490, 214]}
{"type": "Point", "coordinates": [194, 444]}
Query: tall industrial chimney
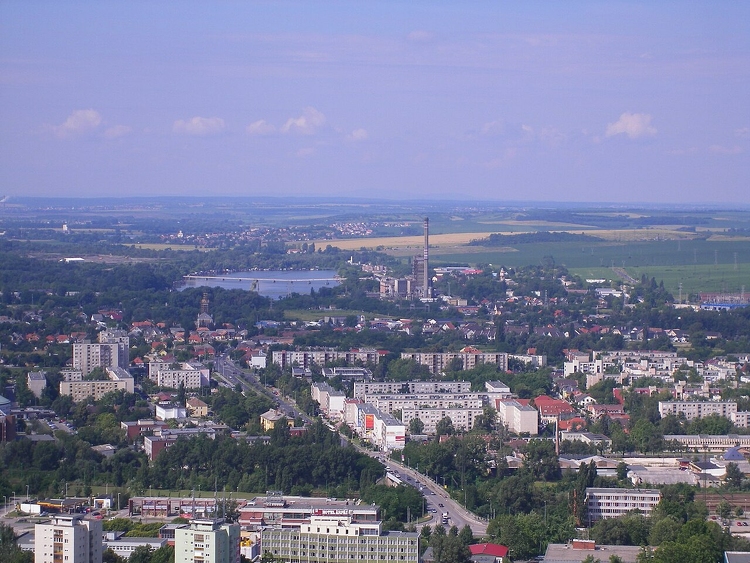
{"type": "Point", "coordinates": [426, 260]}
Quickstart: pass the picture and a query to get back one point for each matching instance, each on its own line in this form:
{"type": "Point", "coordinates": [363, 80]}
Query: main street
{"type": "Point", "coordinates": [248, 381]}
{"type": "Point", "coordinates": [436, 497]}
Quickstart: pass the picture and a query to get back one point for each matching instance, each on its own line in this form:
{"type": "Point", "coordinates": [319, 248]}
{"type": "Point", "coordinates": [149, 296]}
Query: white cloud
{"type": "Point", "coordinates": [80, 122]}
{"type": "Point", "coordinates": [199, 126]}
{"type": "Point", "coordinates": [633, 125]}
{"type": "Point", "coordinates": [742, 133]}
{"type": "Point", "coordinates": [260, 127]}
{"type": "Point", "coordinates": [305, 152]}
{"type": "Point", "coordinates": [496, 127]}
{"type": "Point", "coordinates": [306, 124]}
{"type": "Point", "coordinates": [419, 36]}
{"type": "Point", "coordinates": [552, 136]}
{"type": "Point", "coordinates": [358, 135]}
{"type": "Point", "coordinates": [117, 131]}
{"type": "Point", "coordinates": [719, 149]}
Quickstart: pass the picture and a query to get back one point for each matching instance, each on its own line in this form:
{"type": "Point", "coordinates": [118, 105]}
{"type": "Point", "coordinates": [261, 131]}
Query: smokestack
{"type": "Point", "coordinates": [426, 259]}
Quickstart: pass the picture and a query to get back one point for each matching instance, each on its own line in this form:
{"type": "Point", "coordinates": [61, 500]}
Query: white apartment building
{"type": "Point", "coordinates": [470, 358]}
{"type": "Point", "coordinates": [740, 419]}
{"type": "Point", "coordinates": [612, 503]}
{"type": "Point", "coordinates": [337, 538]}
{"type": "Point", "coordinates": [68, 539]}
{"type": "Point", "coordinates": [331, 400]}
{"type": "Point", "coordinates": [172, 374]}
{"type": "Point", "coordinates": [36, 381]}
{"type": "Point", "coordinates": [90, 355]}
{"type": "Point", "coordinates": [517, 417]}
{"type": "Point", "coordinates": [207, 541]}
{"type": "Point", "coordinates": [388, 433]}
{"type": "Point", "coordinates": [390, 403]}
{"type": "Point", "coordinates": [307, 358]}
{"type": "Point", "coordinates": [122, 340]}
{"type": "Point", "coordinates": [119, 379]}
{"type": "Point", "coordinates": [462, 418]}
{"type": "Point", "coordinates": [697, 409]}
{"type": "Point", "coordinates": [362, 388]}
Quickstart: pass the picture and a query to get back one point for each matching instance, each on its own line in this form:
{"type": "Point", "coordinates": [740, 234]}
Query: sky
{"type": "Point", "coordinates": [576, 101]}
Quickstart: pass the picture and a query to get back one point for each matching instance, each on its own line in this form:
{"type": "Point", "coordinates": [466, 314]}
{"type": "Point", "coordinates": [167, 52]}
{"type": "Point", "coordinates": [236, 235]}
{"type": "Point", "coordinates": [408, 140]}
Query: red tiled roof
{"type": "Point", "coordinates": [494, 549]}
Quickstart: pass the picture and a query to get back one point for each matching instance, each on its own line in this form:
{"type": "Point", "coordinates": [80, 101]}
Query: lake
{"type": "Point", "coordinates": [268, 283]}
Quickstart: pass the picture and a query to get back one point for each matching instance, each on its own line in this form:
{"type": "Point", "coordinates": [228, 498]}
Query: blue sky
{"type": "Point", "coordinates": [550, 101]}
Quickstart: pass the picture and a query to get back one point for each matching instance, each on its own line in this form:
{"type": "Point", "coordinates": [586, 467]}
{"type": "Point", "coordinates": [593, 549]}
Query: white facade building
{"type": "Point", "coordinates": [518, 418]}
{"type": "Point", "coordinates": [207, 541]}
{"type": "Point", "coordinates": [389, 433]}
{"type": "Point", "coordinates": [362, 388]}
{"type": "Point", "coordinates": [334, 538]}
{"type": "Point", "coordinates": [470, 358]}
{"type": "Point", "coordinates": [697, 409]}
{"type": "Point", "coordinates": [462, 418]}
{"type": "Point", "coordinates": [171, 374]}
{"type": "Point", "coordinates": [68, 539]}
{"type": "Point", "coordinates": [612, 503]}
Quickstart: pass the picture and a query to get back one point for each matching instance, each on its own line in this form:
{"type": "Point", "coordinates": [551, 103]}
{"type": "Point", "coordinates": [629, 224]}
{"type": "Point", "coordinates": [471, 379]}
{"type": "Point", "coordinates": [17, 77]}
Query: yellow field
{"type": "Point", "coordinates": [397, 245]}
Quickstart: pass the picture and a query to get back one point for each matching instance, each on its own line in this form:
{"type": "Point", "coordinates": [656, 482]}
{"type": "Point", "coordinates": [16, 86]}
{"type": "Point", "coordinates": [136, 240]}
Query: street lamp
{"type": "Point", "coordinates": [5, 504]}
{"type": "Point", "coordinates": [27, 493]}
{"type": "Point", "coordinates": [118, 502]}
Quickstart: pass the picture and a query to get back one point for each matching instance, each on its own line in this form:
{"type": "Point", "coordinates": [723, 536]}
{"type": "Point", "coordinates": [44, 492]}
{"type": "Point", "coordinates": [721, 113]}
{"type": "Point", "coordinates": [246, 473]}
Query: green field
{"type": "Point", "coordinates": [700, 265]}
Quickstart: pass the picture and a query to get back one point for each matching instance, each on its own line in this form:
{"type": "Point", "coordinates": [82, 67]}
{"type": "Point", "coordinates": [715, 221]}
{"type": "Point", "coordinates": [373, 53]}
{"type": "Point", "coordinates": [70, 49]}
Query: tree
{"type": "Point", "coordinates": [734, 476]}
{"type": "Point", "coordinates": [448, 548]}
{"type": "Point", "coordinates": [141, 554]}
{"type": "Point", "coordinates": [584, 479]}
{"type": "Point", "coordinates": [109, 556]}
{"type": "Point", "coordinates": [444, 427]}
{"type": "Point", "coordinates": [724, 510]}
{"type": "Point", "coordinates": [416, 426]}
{"type": "Point", "coordinates": [466, 535]}
{"type": "Point", "coordinates": [541, 460]}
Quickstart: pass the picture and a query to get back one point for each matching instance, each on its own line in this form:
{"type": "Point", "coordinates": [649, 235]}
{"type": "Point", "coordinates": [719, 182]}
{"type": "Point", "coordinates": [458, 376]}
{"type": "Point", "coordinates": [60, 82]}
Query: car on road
{"type": "Point", "coordinates": [440, 504]}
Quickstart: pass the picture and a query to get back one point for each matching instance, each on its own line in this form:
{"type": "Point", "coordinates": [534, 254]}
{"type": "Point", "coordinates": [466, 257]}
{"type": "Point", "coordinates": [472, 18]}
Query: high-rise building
{"type": "Point", "coordinates": [68, 539]}
{"type": "Point", "coordinates": [121, 338]}
{"type": "Point", "coordinates": [112, 351]}
{"type": "Point", "coordinates": [207, 541]}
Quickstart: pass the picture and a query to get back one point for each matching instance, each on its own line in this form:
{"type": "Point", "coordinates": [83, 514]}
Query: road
{"type": "Point", "coordinates": [436, 498]}
{"type": "Point", "coordinates": [234, 376]}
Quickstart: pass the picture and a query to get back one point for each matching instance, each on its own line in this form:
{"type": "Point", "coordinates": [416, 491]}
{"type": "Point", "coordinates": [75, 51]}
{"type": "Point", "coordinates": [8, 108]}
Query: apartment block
{"type": "Point", "coordinates": [36, 381]}
{"type": "Point", "coordinates": [612, 503]}
{"type": "Point", "coordinates": [68, 539]}
{"type": "Point", "coordinates": [697, 409]}
{"type": "Point", "coordinates": [518, 418]}
{"type": "Point", "coordinates": [463, 419]}
{"type": "Point", "coordinates": [121, 339]}
{"type": "Point", "coordinates": [207, 541]}
{"type": "Point", "coordinates": [470, 358]}
{"type": "Point", "coordinates": [409, 387]}
{"type": "Point", "coordinates": [333, 538]}
{"type": "Point", "coordinates": [172, 374]}
{"type": "Point", "coordinates": [331, 400]}
{"type": "Point", "coordinates": [119, 379]}
{"type": "Point", "coordinates": [390, 403]}
{"type": "Point", "coordinates": [307, 358]}
{"type": "Point", "coordinates": [90, 355]}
